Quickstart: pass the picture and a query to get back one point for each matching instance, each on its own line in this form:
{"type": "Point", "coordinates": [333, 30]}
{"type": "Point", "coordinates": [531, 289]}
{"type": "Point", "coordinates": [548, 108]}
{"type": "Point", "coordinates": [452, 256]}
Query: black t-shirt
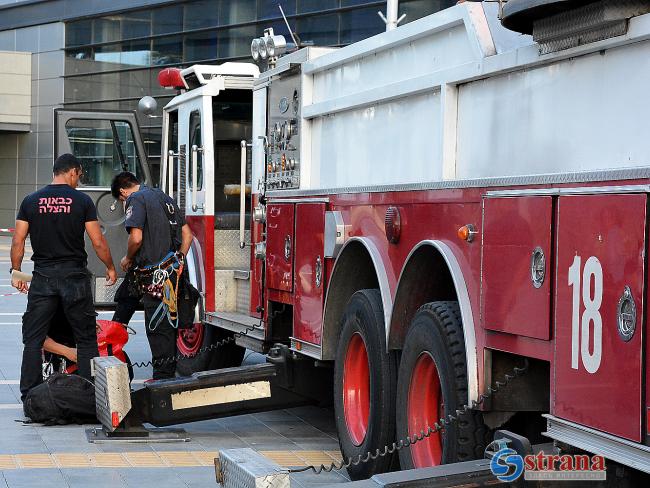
{"type": "Point", "coordinates": [57, 216]}
{"type": "Point", "coordinates": [146, 210]}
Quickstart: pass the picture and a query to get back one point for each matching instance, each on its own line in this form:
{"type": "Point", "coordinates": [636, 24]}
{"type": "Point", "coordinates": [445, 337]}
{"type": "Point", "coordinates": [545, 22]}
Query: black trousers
{"type": "Point", "coordinates": [51, 287]}
{"type": "Point", "coordinates": [162, 341]}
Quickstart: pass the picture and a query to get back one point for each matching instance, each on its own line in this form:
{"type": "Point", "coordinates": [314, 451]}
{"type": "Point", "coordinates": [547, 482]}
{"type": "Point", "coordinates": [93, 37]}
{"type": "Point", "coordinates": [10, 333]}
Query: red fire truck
{"type": "Point", "coordinates": [421, 212]}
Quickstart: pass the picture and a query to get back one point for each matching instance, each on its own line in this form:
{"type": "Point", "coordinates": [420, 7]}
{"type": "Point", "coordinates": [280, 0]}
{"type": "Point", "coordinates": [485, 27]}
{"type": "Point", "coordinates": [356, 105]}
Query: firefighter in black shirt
{"type": "Point", "coordinates": [56, 217]}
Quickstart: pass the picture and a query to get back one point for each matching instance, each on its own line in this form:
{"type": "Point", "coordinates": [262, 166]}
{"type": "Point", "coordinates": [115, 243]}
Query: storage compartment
{"type": "Point", "coordinates": [516, 277]}
{"type": "Point", "coordinates": [599, 312]}
{"type": "Point", "coordinates": [310, 272]}
{"type": "Point", "coordinates": [279, 246]}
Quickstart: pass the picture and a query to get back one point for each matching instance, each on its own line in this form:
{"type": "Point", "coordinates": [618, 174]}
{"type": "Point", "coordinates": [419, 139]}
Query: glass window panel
{"type": "Point", "coordinates": [104, 148]}
{"type": "Point", "coordinates": [416, 9]}
{"type": "Point", "coordinates": [79, 61]}
{"type": "Point", "coordinates": [232, 12]}
{"type": "Point", "coordinates": [167, 50]}
{"type": "Point", "coordinates": [360, 24]}
{"type": "Point", "coordinates": [347, 3]}
{"type": "Point", "coordinates": [236, 41]}
{"type": "Point", "coordinates": [151, 137]}
{"type": "Point", "coordinates": [136, 24]}
{"type": "Point", "coordinates": [200, 46]}
{"type": "Point", "coordinates": [321, 30]}
{"type": "Point", "coordinates": [201, 14]}
{"type": "Point", "coordinates": [195, 140]}
{"type": "Point", "coordinates": [168, 19]}
{"type": "Point", "coordinates": [267, 9]}
{"type": "Point", "coordinates": [316, 5]}
{"type": "Point", "coordinates": [106, 30]}
{"type": "Point", "coordinates": [77, 33]}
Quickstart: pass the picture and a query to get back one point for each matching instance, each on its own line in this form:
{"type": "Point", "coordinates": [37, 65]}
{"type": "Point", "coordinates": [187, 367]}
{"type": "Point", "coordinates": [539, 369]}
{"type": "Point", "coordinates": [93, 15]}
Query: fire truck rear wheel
{"type": "Point", "coordinates": [364, 385]}
{"type": "Point", "coordinates": [432, 383]}
{"type": "Point", "coordinates": [227, 355]}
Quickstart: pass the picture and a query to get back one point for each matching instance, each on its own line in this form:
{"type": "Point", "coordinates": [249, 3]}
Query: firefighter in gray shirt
{"type": "Point", "coordinates": [157, 231]}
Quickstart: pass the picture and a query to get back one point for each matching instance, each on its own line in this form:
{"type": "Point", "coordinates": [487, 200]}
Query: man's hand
{"type": "Point", "coordinates": [111, 276]}
{"type": "Point", "coordinates": [126, 263]}
{"type": "Point", "coordinates": [20, 285]}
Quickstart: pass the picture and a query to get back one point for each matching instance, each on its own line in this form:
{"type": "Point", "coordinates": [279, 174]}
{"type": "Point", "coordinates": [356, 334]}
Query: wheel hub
{"type": "Point", "coordinates": [425, 408]}
{"type": "Point", "coordinates": [189, 340]}
{"type": "Point", "coordinates": [356, 389]}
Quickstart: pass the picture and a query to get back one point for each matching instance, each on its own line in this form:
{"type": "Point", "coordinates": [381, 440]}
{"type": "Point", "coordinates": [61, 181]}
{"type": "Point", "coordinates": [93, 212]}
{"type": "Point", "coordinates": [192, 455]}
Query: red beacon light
{"type": "Point", "coordinates": [171, 78]}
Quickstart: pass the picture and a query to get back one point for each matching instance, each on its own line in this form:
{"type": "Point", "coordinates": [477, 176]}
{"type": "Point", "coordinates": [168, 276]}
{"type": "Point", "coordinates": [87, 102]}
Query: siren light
{"type": "Point", "coordinates": [171, 78]}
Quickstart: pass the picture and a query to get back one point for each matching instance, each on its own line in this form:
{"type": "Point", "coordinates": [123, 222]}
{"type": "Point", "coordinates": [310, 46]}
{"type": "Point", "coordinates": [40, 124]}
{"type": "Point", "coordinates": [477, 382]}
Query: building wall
{"type": "Point", "coordinates": [26, 158]}
{"type": "Point", "coordinates": [15, 91]}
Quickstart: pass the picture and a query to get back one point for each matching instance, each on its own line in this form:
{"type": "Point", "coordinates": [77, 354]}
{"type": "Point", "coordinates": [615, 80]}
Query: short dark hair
{"type": "Point", "coordinates": [65, 163]}
{"type": "Point", "coordinates": [122, 181]}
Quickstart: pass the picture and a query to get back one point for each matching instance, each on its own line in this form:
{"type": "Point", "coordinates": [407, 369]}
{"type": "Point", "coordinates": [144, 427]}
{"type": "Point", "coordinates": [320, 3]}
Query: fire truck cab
{"type": "Point", "coordinates": [425, 210]}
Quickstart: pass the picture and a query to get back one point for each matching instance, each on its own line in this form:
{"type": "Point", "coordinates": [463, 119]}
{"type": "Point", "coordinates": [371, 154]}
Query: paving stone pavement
{"type": "Point", "coordinates": [59, 456]}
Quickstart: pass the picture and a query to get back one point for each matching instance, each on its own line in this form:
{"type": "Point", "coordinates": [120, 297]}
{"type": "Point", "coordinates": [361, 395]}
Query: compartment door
{"type": "Point", "coordinates": [599, 312]}
{"type": "Point", "coordinates": [106, 143]}
{"type": "Point", "coordinates": [310, 272]}
{"type": "Point", "coordinates": [517, 237]}
{"type": "Point", "coordinates": [279, 246]}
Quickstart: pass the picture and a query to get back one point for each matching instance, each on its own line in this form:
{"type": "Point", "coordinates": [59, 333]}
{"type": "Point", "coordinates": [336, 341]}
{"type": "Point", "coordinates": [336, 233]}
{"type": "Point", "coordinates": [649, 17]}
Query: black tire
{"type": "Point", "coordinates": [436, 334]}
{"type": "Point", "coordinates": [364, 319]}
{"type": "Point", "coordinates": [224, 356]}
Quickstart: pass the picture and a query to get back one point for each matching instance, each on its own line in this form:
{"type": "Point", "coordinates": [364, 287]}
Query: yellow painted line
{"type": "Point", "coordinates": [314, 458]}
{"type": "Point", "coordinates": [283, 458]}
{"type": "Point", "coordinates": [109, 460]}
{"type": "Point", "coordinates": [144, 459]}
{"type": "Point", "coordinates": [205, 458]}
{"type": "Point", "coordinates": [73, 460]}
{"type": "Point", "coordinates": [153, 459]}
{"type": "Point", "coordinates": [7, 462]}
{"type": "Point", "coordinates": [35, 461]}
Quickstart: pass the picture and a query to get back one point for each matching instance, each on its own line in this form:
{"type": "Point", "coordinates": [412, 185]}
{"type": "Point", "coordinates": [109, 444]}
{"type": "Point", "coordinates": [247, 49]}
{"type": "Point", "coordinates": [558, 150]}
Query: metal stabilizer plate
{"type": "Point", "coordinates": [246, 468]}
{"type": "Point", "coordinates": [138, 435]}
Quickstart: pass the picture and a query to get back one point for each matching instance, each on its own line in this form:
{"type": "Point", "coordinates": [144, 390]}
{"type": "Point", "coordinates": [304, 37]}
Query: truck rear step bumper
{"type": "Point", "coordinates": [628, 453]}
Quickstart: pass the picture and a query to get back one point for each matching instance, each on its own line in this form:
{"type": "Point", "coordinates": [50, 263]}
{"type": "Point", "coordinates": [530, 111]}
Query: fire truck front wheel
{"type": "Point", "coordinates": [202, 348]}
{"type": "Point", "coordinates": [364, 385]}
{"type": "Point", "coordinates": [432, 383]}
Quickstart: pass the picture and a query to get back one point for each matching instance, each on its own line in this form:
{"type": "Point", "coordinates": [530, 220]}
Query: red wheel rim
{"type": "Point", "coordinates": [189, 340]}
{"type": "Point", "coordinates": [425, 407]}
{"type": "Point", "coordinates": [356, 389]}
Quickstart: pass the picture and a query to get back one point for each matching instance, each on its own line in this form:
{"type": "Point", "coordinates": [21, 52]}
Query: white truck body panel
{"type": "Point", "coordinates": [455, 96]}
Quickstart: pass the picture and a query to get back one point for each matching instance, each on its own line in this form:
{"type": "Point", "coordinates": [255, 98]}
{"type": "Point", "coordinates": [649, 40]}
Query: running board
{"type": "Point", "coordinates": [628, 453]}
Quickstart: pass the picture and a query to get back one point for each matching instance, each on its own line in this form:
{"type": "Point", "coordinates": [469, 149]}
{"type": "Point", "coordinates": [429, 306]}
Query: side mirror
{"type": "Point", "coordinates": [147, 106]}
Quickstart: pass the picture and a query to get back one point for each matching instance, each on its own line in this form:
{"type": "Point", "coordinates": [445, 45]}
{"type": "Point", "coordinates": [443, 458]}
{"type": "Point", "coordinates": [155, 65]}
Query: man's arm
{"type": "Point", "coordinates": [132, 246]}
{"type": "Point", "coordinates": [18, 251]}
{"type": "Point", "coordinates": [70, 353]}
{"type": "Point", "coordinates": [186, 239]}
{"type": "Point", "coordinates": [101, 249]}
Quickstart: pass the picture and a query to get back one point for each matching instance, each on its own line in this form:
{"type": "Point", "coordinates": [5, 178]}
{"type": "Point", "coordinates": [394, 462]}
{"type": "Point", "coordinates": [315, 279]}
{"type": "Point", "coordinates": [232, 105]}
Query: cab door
{"type": "Point", "coordinates": [106, 143]}
{"type": "Point", "coordinates": [189, 169]}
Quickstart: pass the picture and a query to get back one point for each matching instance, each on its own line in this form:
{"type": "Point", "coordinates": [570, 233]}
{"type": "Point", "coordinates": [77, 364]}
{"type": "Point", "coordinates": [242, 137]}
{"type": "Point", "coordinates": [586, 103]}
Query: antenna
{"type": "Point", "coordinates": [288, 27]}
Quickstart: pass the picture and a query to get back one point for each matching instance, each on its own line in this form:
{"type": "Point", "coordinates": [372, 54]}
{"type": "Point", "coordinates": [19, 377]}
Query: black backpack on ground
{"type": "Point", "coordinates": [62, 399]}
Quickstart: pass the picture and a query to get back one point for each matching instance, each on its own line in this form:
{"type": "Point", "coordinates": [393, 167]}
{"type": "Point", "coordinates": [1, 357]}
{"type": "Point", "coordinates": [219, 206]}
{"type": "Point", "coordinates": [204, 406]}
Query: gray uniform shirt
{"type": "Point", "coordinates": [152, 210]}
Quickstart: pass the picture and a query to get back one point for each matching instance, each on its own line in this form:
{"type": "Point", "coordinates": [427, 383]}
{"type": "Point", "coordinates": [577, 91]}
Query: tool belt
{"type": "Point", "coordinates": [161, 281]}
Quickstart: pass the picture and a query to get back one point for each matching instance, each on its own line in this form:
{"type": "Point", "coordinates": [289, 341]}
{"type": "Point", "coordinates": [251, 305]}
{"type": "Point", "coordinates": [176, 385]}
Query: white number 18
{"type": "Point", "coordinates": [580, 330]}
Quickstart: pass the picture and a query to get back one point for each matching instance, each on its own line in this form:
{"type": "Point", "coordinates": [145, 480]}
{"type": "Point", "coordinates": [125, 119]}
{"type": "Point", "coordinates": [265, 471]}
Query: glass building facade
{"type": "Point", "coordinates": [111, 61]}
